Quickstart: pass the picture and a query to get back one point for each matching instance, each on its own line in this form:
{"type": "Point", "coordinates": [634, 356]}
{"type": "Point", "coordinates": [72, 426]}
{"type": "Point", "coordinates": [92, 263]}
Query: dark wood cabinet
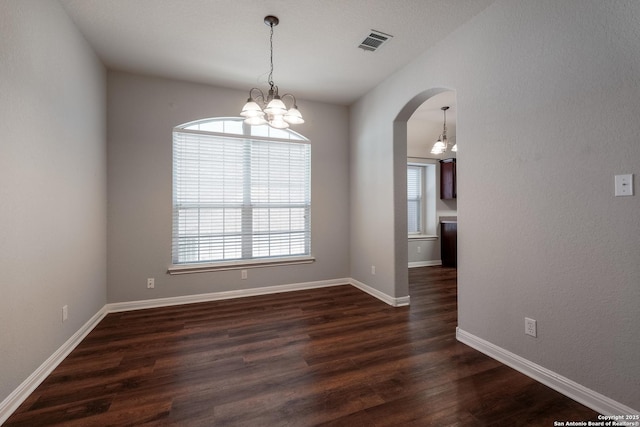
{"type": "Point", "coordinates": [448, 179]}
{"type": "Point", "coordinates": [449, 244]}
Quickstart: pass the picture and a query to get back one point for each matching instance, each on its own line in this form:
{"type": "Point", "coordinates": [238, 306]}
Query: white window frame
{"type": "Point", "coordinates": [428, 228]}
{"type": "Point", "coordinates": [416, 206]}
{"type": "Point", "coordinates": [243, 256]}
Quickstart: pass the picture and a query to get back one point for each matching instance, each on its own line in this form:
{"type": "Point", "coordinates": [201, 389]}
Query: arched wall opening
{"type": "Point", "coordinates": [400, 138]}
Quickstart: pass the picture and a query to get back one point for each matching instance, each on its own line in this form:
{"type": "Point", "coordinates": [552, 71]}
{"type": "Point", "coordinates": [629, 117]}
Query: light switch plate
{"type": "Point", "coordinates": [624, 185]}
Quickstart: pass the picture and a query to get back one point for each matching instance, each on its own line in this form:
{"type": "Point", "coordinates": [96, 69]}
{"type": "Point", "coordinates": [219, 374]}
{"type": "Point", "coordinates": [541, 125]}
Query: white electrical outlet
{"type": "Point", "coordinates": [65, 312]}
{"type": "Point", "coordinates": [419, 249]}
{"type": "Point", "coordinates": [243, 274]}
{"type": "Point", "coordinates": [373, 270]}
{"type": "Point", "coordinates": [530, 327]}
{"type": "Point", "coordinates": [151, 283]}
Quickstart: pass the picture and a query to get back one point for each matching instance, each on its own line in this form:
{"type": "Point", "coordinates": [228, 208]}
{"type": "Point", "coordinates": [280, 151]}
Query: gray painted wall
{"type": "Point", "coordinates": [142, 114]}
{"type": "Point", "coordinates": [548, 103]}
{"type": "Point", "coordinates": [53, 191]}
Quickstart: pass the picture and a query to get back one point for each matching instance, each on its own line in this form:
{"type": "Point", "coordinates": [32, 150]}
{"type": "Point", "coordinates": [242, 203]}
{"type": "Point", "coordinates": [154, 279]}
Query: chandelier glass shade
{"type": "Point", "coordinates": [271, 109]}
{"type": "Point", "coordinates": [442, 144]}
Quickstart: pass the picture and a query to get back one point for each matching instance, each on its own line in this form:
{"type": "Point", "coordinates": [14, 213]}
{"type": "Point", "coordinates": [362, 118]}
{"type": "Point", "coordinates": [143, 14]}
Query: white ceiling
{"type": "Point", "coordinates": [431, 110]}
{"type": "Point", "coordinates": [226, 43]}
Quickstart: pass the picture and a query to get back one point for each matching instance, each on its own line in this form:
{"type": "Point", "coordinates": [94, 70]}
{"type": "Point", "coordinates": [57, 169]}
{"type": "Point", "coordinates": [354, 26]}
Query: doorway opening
{"type": "Point", "coordinates": [430, 218]}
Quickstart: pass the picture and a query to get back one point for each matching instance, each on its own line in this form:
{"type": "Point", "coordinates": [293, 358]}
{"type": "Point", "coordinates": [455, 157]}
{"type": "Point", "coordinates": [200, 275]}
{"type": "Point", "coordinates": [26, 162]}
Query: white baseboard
{"type": "Point", "coordinates": [217, 296]}
{"type": "Point", "coordinates": [431, 263]}
{"type": "Point", "coordinates": [596, 401]}
{"type": "Point", "coordinates": [395, 302]}
{"type": "Point", "coordinates": [20, 394]}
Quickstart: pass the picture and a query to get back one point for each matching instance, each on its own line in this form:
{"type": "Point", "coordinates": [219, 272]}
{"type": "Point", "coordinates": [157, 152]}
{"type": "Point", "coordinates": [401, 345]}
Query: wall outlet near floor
{"type": "Point", "coordinates": [65, 313]}
{"type": "Point", "coordinates": [151, 283]}
{"type": "Point", "coordinates": [530, 327]}
{"type": "Point", "coordinates": [243, 274]}
{"type": "Point", "coordinates": [373, 270]}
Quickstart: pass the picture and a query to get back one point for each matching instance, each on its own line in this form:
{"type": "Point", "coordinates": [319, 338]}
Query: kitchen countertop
{"type": "Point", "coordinates": [448, 219]}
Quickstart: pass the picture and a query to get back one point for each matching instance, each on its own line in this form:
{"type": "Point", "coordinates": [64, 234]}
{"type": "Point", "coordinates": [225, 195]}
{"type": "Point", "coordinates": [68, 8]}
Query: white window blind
{"type": "Point", "coordinates": [414, 198]}
{"type": "Point", "coordinates": [238, 197]}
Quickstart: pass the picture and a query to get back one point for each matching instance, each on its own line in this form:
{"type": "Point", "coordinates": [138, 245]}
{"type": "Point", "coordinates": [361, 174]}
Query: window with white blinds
{"type": "Point", "coordinates": [239, 193]}
{"type": "Point", "coordinates": [415, 205]}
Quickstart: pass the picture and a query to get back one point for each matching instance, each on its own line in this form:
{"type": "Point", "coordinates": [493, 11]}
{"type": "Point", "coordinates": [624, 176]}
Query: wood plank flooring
{"type": "Point", "coordinates": [334, 357]}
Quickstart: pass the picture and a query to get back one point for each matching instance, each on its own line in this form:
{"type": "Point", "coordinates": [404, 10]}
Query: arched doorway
{"type": "Point", "coordinates": [416, 128]}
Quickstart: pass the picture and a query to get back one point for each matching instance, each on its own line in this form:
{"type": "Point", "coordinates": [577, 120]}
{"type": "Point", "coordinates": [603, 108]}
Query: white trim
{"type": "Point", "coordinates": [596, 401]}
{"type": "Point", "coordinates": [394, 302]}
{"type": "Point", "coordinates": [427, 237]}
{"type": "Point", "coordinates": [216, 296]}
{"type": "Point", "coordinates": [22, 392]}
{"type": "Point", "coordinates": [431, 263]}
{"type": "Point", "coordinates": [237, 265]}
{"type": "Point", "coordinates": [183, 128]}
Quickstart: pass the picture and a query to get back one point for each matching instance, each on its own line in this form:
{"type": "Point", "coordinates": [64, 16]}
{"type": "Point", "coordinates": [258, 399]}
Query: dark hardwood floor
{"type": "Point", "coordinates": [333, 356]}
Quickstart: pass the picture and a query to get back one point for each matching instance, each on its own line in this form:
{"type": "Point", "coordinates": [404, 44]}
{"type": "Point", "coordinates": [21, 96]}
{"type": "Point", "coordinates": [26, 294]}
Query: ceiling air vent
{"type": "Point", "coordinates": [374, 40]}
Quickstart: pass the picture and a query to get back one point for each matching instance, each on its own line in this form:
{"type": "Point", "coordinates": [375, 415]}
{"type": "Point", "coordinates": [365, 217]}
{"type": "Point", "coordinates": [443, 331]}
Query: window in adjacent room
{"type": "Point", "coordinates": [241, 194]}
{"type": "Point", "coordinates": [421, 199]}
{"type": "Point", "coordinates": [415, 207]}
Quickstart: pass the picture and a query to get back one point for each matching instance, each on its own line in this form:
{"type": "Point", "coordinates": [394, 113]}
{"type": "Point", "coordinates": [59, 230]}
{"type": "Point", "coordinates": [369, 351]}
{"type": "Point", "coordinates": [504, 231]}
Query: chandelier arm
{"type": "Point", "coordinates": [259, 97]}
{"type": "Point", "coordinates": [288, 94]}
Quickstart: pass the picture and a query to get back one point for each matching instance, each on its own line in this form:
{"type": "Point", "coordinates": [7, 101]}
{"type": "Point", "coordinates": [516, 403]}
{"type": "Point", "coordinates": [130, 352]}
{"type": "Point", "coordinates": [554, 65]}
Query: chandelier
{"type": "Point", "coordinates": [442, 144]}
{"type": "Point", "coordinates": [271, 110]}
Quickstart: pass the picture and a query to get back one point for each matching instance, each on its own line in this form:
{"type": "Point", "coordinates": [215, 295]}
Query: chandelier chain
{"type": "Point", "coordinates": [444, 127]}
{"type": "Point", "coordinates": [271, 58]}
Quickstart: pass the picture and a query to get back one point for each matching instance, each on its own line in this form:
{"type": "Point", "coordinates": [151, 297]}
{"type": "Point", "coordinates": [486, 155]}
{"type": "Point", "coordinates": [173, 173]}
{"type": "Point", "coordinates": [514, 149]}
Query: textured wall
{"type": "Point", "coordinates": [142, 114]}
{"type": "Point", "coordinates": [548, 103]}
{"type": "Point", "coordinates": [53, 185]}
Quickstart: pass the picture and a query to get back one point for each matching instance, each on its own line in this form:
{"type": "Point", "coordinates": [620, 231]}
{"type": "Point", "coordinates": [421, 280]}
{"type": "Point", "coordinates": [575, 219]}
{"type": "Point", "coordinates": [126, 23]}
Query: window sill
{"type": "Point", "coordinates": [423, 237]}
{"type": "Point", "coordinates": [237, 265]}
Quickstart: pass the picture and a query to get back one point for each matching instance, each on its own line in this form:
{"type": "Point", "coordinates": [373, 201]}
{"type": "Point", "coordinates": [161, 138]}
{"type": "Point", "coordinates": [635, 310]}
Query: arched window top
{"type": "Point", "coordinates": [236, 126]}
{"type": "Point", "coordinates": [241, 196]}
